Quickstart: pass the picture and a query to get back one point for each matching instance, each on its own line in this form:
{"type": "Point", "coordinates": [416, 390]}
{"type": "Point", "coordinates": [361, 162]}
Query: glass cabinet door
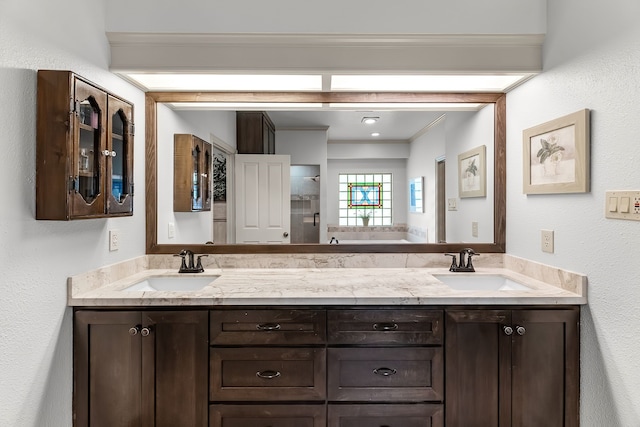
{"type": "Point", "coordinates": [196, 189]}
{"type": "Point", "coordinates": [88, 165]}
{"type": "Point", "coordinates": [119, 156]}
{"type": "Point", "coordinates": [207, 163]}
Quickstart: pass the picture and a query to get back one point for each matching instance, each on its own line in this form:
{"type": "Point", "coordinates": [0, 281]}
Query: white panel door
{"type": "Point", "coordinates": [263, 198]}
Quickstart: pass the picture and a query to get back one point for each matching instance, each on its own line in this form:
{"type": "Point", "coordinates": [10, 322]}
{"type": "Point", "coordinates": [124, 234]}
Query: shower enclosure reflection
{"type": "Point", "coordinates": [305, 204]}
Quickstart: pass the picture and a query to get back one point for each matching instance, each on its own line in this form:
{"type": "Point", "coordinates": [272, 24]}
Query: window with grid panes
{"type": "Point", "coordinates": [362, 194]}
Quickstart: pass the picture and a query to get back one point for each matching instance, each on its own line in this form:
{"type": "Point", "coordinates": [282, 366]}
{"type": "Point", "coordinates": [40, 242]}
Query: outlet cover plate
{"type": "Point", "coordinates": [622, 204]}
{"type": "Point", "coordinates": [114, 240]}
{"type": "Point", "coordinates": [547, 241]}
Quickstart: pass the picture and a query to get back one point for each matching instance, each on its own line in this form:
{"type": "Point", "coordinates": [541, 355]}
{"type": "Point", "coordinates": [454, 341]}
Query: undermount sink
{"type": "Point", "coordinates": [480, 282]}
{"type": "Point", "coordinates": [172, 283]}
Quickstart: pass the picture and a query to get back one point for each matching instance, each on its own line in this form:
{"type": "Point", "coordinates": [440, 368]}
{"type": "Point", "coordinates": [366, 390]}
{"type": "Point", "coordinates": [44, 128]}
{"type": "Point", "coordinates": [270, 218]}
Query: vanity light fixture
{"type": "Point", "coordinates": [370, 120]}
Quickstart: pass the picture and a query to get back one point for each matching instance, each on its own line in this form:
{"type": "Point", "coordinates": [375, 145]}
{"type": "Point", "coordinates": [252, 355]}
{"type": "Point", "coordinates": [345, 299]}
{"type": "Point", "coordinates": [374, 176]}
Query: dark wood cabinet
{"type": "Point", "coordinates": [268, 415]}
{"type": "Point", "coordinates": [192, 163]}
{"type": "Point", "coordinates": [412, 415]}
{"type": "Point", "coordinates": [134, 368]}
{"type": "Point", "coordinates": [512, 368]}
{"type": "Point", "coordinates": [385, 367]}
{"type": "Point", "coordinates": [255, 133]}
{"type": "Point", "coordinates": [327, 367]}
{"type": "Point", "coordinates": [84, 149]}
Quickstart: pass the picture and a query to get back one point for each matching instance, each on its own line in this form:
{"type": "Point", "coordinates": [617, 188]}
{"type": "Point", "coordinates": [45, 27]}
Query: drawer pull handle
{"type": "Point", "coordinates": [385, 326]}
{"type": "Point", "coordinates": [385, 372]}
{"type": "Point", "coordinates": [268, 375]}
{"type": "Point", "coordinates": [268, 327]}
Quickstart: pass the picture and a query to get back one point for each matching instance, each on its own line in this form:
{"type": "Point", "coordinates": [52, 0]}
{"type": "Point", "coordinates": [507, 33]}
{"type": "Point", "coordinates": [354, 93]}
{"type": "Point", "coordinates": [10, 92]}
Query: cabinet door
{"type": "Point", "coordinates": [175, 367]}
{"type": "Point", "coordinates": [545, 384]}
{"type": "Point", "coordinates": [478, 368]}
{"type": "Point", "coordinates": [88, 160]}
{"type": "Point", "coordinates": [107, 369]}
{"type": "Point", "coordinates": [119, 164]}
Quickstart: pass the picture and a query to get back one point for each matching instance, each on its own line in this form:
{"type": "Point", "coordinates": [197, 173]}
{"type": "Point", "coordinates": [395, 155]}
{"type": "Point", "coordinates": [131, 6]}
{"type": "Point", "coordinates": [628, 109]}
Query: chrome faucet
{"type": "Point", "coordinates": [463, 266]}
{"type": "Point", "coordinates": [187, 265]}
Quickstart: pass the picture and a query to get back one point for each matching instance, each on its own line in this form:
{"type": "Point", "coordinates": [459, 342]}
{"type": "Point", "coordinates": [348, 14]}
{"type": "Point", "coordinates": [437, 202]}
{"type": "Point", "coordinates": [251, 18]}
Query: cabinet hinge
{"type": "Point", "coordinates": [74, 106]}
{"type": "Point", "coordinates": [74, 184]}
{"type": "Point", "coordinates": [131, 190]}
{"type": "Point", "coordinates": [132, 129]}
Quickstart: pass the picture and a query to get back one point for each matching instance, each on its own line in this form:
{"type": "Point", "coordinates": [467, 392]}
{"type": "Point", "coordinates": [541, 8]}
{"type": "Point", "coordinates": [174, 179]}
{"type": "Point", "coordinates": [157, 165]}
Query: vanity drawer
{"type": "Point", "coordinates": [267, 416]}
{"type": "Point", "coordinates": [385, 327]}
{"type": "Point", "coordinates": [399, 374]}
{"type": "Point", "coordinates": [420, 415]}
{"type": "Point", "coordinates": [267, 374]}
{"type": "Point", "coordinates": [265, 327]}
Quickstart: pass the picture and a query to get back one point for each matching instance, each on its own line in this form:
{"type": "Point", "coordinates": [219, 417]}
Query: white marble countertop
{"type": "Point", "coordinates": [323, 286]}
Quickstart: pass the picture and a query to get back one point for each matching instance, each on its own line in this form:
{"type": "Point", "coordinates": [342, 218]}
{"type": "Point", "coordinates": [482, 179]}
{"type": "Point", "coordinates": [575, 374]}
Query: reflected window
{"type": "Point", "coordinates": [365, 199]}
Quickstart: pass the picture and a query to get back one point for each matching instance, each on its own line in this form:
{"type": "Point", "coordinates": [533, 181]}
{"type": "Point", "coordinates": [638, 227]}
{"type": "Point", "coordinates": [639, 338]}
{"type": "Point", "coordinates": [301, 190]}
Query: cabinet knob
{"type": "Point", "coordinates": [508, 330]}
{"type": "Point", "coordinates": [106, 153]}
{"type": "Point", "coordinates": [134, 330]}
{"type": "Point", "coordinates": [113, 154]}
{"type": "Point", "coordinates": [521, 330]}
{"type": "Point", "coordinates": [145, 331]}
{"type": "Point", "coordinates": [268, 375]}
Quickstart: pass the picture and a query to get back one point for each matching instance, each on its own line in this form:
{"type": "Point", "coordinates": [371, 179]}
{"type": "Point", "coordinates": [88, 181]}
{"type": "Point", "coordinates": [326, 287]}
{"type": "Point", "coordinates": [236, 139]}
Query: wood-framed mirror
{"type": "Point", "coordinates": [499, 171]}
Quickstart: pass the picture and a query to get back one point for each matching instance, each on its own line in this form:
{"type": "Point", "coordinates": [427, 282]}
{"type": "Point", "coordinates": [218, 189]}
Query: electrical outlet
{"type": "Point", "coordinates": [547, 241]}
{"type": "Point", "coordinates": [114, 240]}
{"type": "Point", "coordinates": [452, 204]}
{"type": "Point", "coordinates": [474, 229]}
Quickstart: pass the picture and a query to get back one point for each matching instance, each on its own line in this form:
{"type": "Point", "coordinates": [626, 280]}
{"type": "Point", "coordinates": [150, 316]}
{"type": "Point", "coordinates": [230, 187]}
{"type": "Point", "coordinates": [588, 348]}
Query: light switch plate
{"type": "Point", "coordinates": [452, 204]}
{"type": "Point", "coordinates": [623, 204]}
{"type": "Point", "coordinates": [474, 229]}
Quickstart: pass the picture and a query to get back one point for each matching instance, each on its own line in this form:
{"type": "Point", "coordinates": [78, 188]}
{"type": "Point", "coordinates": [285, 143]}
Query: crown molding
{"type": "Point", "coordinates": [326, 53]}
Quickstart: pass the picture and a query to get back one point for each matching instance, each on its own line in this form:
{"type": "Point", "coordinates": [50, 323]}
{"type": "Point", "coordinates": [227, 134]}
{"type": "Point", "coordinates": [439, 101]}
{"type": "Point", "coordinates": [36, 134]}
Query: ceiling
{"type": "Point", "coordinates": [348, 126]}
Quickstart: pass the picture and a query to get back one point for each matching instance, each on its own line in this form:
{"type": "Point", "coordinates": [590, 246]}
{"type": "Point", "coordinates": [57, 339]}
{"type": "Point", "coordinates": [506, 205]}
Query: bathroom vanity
{"type": "Point", "coordinates": [312, 347]}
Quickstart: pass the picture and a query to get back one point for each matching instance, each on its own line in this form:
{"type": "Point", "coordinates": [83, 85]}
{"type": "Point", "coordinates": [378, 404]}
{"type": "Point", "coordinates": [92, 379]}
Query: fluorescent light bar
{"type": "Point", "coordinates": [424, 83]}
{"type": "Point", "coordinates": [243, 105]}
{"type": "Point", "coordinates": [227, 82]}
{"type": "Point", "coordinates": [417, 106]}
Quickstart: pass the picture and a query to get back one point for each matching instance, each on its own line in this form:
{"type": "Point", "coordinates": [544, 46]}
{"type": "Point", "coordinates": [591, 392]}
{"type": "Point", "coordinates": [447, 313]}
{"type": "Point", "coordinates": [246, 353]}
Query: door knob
{"type": "Point", "coordinates": [285, 234]}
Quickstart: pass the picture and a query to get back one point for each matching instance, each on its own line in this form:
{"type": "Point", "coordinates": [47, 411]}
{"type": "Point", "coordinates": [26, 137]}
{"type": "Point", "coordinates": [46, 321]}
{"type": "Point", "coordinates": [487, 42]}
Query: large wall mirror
{"type": "Point", "coordinates": [433, 181]}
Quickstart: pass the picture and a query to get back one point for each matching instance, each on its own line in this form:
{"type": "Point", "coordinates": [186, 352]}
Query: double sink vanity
{"type": "Point", "coordinates": [326, 341]}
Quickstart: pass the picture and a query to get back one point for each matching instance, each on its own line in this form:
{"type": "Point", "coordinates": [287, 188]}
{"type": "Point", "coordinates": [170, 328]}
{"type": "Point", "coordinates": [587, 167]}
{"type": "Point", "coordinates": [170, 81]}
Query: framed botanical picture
{"type": "Point", "coordinates": [556, 155]}
{"type": "Point", "coordinates": [472, 173]}
{"type": "Point", "coordinates": [416, 198]}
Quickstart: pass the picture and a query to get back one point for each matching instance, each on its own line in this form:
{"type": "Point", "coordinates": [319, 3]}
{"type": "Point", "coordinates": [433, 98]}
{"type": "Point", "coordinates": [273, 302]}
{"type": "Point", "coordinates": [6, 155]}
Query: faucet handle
{"type": "Point", "coordinates": [454, 265]}
{"type": "Point", "coordinates": [199, 267]}
{"type": "Point", "coordinates": [183, 265]}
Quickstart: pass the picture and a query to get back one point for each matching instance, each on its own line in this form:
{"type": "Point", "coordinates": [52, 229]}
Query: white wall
{"type": "Point", "coordinates": [466, 131]}
{"type": "Point", "coordinates": [190, 227]}
{"type": "Point", "coordinates": [329, 16]}
{"type": "Point", "coordinates": [592, 60]}
{"type": "Point", "coordinates": [36, 257]}
{"type": "Point", "coordinates": [422, 162]}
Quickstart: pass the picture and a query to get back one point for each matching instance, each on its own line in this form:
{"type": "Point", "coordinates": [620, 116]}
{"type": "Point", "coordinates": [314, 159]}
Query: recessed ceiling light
{"type": "Point", "coordinates": [370, 120]}
{"type": "Point", "coordinates": [375, 134]}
